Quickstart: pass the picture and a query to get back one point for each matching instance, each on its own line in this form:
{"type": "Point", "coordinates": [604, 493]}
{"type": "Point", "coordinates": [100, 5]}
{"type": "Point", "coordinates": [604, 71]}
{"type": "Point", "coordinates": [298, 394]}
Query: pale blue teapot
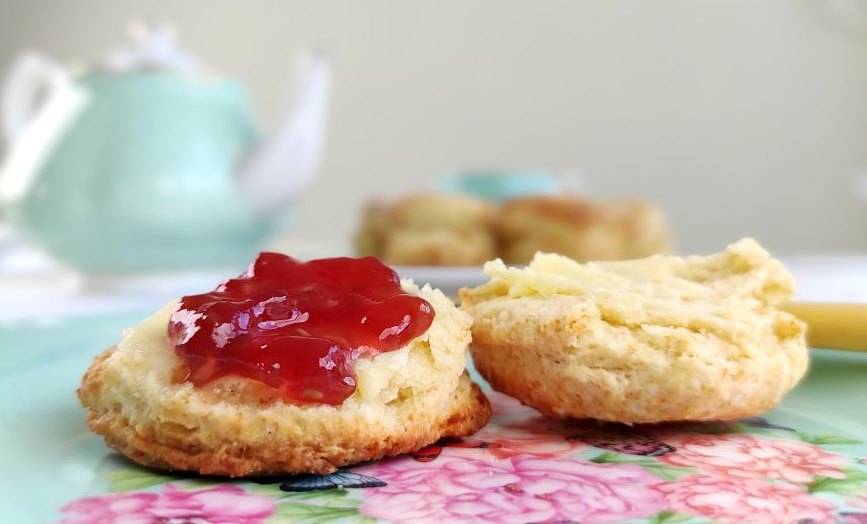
{"type": "Point", "coordinates": [148, 164]}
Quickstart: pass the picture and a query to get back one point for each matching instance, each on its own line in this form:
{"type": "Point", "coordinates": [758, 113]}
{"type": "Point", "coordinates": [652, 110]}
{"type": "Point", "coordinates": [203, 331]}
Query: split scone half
{"type": "Point", "coordinates": [137, 398]}
{"type": "Point", "coordinates": [642, 341]}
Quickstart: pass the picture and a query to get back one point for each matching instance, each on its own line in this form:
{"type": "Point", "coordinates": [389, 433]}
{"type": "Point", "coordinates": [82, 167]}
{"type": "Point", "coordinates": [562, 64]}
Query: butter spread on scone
{"type": "Point", "coordinates": [254, 420]}
{"type": "Point", "coordinates": [641, 341]}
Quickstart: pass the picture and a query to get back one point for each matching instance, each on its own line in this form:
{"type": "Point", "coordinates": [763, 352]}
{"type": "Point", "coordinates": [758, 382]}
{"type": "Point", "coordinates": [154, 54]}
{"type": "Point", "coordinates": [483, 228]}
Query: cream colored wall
{"type": "Point", "coordinates": [738, 117]}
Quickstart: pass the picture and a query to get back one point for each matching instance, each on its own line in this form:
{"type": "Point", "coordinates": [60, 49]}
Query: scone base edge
{"type": "Point", "coordinates": [166, 447]}
{"type": "Point", "coordinates": [572, 398]}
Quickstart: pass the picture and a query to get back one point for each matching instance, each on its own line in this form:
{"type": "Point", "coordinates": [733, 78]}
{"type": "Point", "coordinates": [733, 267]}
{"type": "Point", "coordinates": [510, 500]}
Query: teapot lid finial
{"type": "Point", "coordinates": [153, 46]}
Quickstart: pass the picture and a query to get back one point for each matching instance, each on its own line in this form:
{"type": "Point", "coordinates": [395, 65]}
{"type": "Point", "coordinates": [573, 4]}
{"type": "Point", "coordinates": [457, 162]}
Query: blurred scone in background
{"type": "Point", "coordinates": [580, 229]}
{"type": "Point", "coordinates": [459, 230]}
{"type": "Point", "coordinates": [429, 230]}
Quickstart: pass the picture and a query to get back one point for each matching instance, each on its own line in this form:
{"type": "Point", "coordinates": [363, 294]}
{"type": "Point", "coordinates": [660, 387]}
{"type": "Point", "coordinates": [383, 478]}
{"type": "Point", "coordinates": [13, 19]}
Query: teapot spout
{"type": "Point", "coordinates": [287, 160]}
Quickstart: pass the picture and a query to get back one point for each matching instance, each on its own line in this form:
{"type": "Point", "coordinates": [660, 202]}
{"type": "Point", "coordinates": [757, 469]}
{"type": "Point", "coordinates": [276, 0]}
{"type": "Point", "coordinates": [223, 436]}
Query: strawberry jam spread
{"type": "Point", "coordinates": [297, 326]}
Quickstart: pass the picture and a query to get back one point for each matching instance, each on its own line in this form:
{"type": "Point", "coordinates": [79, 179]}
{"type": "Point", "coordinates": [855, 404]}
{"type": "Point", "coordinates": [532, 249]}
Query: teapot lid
{"type": "Point", "coordinates": [152, 46]}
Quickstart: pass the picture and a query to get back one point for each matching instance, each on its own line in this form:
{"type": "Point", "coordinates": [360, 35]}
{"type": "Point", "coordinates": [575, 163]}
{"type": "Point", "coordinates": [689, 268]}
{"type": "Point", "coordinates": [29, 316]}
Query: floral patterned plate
{"type": "Point", "coordinates": [805, 462]}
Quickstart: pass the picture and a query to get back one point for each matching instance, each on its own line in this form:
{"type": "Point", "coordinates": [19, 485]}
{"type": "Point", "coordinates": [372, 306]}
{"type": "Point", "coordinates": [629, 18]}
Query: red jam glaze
{"type": "Point", "coordinates": [297, 326]}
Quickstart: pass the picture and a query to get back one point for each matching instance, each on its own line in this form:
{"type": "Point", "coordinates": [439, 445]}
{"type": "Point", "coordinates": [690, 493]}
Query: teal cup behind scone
{"type": "Point", "coordinates": [500, 185]}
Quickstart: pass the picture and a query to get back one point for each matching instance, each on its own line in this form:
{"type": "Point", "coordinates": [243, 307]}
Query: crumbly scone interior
{"type": "Point", "coordinates": [659, 338]}
{"type": "Point", "coordinates": [428, 362]}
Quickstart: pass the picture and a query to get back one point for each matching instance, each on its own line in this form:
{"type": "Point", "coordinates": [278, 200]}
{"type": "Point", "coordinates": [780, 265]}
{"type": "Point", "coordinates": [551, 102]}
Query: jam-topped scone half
{"type": "Point", "coordinates": [640, 341]}
{"type": "Point", "coordinates": [294, 367]}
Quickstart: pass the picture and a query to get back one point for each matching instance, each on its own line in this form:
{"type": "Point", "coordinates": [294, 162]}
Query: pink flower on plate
{"type": "Point", "coordinates": [745, 500]}
{"type": "Point", "coordinates": [524, 488]}
{"type": "Point", "coordinates": [505, 408]}
{"type": "Point", "coordinates": [509, 413]}
{"type": "Point", "coordinates": [748, 456]}
{"type": "Point", "coordinates": [515, 429]}
{"type": "Point", "coordinates": [222, 504]}
{"type": "Point", "coordinates": [503, 442]}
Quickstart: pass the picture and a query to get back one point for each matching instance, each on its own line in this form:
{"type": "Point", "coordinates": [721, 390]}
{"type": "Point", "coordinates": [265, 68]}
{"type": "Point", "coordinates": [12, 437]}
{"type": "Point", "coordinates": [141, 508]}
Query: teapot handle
{"type": "Point", "coordinates": [287, 160]}
{"type": "Point", "coordinates": [31, 75]}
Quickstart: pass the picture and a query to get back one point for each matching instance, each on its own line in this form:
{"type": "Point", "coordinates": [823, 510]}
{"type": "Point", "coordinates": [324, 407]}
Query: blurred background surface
{"type": "Point", "coordinates": [736, 117]}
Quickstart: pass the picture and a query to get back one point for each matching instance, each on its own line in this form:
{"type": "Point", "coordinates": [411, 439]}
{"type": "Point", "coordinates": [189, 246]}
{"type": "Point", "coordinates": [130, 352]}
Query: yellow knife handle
{"type": "Point", "coordinates": [836, 326]}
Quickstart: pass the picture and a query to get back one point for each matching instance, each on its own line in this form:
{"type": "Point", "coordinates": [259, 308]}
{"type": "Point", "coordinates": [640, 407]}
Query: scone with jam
{"type": "Point", "coordinates": [650, 340]}
{"type": "Point", "coordinates": [294, 367]}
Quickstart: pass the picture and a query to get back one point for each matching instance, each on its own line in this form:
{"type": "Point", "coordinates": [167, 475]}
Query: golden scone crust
{"type": "Point", "coordinates": [580, 229]}
{"type": "Point", "coordinates": [404, 401]}
{"type": "Point", "coordinates": [662, 339]}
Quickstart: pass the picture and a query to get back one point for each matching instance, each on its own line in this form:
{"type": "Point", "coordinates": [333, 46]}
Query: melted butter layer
{"type": "Point", "coordinates": [373, 374]}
